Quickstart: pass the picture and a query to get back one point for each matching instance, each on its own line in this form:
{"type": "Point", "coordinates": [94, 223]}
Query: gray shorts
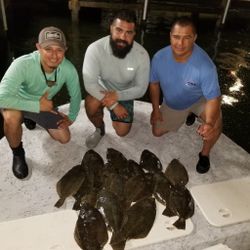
{"type": "Point", "coordinates": [173, 119]}
{"type": "Point", "coordinates": [44, 119]}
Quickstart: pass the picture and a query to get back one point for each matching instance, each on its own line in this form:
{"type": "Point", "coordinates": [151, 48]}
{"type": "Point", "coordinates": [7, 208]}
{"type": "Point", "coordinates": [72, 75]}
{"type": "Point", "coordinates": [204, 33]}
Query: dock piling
{"type": "Point", "coordinates": [5, 26]}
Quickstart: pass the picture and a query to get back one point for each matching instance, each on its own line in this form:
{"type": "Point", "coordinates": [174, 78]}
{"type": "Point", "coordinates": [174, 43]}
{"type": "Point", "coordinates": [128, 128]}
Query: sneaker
{"type": "Point", "coordinates": [94, 139]}
{"type": "Point", "coordinates": [29, 124]}
{"type": "Point", "coordinates": [190, 119]}
{"type": "Point", "coordinates": [203, 164]}
{"type": "Point", "coordinates": [19, 166]}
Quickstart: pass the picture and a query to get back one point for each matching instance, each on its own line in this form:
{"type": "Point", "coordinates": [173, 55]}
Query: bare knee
{"type": "Point", "coordinates": [121, 133]}
{"type": "Point", "coordinates": [64, 140]}
{"type": "Point", "coordinates": [92, 105]}
{"type": "Point", "coordinates": [157, 132]}
{"type": "Point", "coordinates": [122, 129]}
{"type": "Point", "coordinates": [62, 137]}
{"type": "Point", "coordinates": [12, 118]}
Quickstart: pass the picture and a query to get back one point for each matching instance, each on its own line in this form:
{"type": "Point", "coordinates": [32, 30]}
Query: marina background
{"type": "Point", "coordinates": [228, 47]}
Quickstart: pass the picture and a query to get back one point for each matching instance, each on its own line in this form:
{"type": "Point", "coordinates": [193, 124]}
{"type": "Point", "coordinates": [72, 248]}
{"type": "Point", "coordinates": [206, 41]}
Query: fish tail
{"type": "Point", "coordinates": [76, 205]}
{"type": "Point", "coordinates": [167, 212]}
{"type": "Point", "coordinates": [180, 223]}
{"type": "Point", "coordinates": [116, 238]}
{"type": "Point", "coordinates": [118, 245]}
{"type": "Point", "coordinates": [60, 202]}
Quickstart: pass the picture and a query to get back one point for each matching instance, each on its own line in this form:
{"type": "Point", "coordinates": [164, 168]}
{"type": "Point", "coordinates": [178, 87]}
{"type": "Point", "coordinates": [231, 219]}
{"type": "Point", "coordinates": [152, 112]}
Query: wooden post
{"type": "Point", "coordinates": [225, 5]}
{"type": "Point", "coordinates": [4, 16]}
{"type": "Point", "coordinates": [145, 10]}
{"type": "Point", "coordinates": [74, 6]}
{"type": "Point", "coordinates": [225, 12]}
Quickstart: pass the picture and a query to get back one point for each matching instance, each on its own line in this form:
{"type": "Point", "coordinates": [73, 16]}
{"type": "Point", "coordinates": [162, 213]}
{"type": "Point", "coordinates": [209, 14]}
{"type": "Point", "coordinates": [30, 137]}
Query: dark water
{"type": "Point", "coordinates": [229, 48]}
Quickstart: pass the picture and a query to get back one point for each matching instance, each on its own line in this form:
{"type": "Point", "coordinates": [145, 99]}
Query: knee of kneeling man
{"type": "Point", "coordinates": [64, 140]}
{"type": "Point", "coordinates": [122, 134]}
{"type": "Point", "coordinates": [12, 120]}
{"type": "Point", "coordinates": [156, 133]}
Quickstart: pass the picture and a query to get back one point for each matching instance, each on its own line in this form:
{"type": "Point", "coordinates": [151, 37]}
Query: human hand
{"type": "Point", "coordinates": [110, 97]}
{"type": "Point", "coordinates": [205, 130]}
{"type": "Point", "coordinates": [120, 111]}
{"type": "Point", "coordinates": [45, 103]}
{"type": "Point", "coordinates": [65, 122]}
{"type": "Point", "coordinates": [156, 115]}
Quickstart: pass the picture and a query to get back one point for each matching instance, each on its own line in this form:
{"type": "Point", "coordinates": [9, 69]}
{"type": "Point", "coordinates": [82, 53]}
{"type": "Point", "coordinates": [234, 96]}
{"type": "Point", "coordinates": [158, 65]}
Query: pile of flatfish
{"type": "Point", "coordinates": [120, 196]}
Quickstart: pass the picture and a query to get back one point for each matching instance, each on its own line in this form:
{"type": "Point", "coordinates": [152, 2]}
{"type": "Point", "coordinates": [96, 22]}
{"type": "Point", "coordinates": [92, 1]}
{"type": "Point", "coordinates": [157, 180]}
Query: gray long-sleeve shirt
{"type": "Point", "coordinates": [129, 76]}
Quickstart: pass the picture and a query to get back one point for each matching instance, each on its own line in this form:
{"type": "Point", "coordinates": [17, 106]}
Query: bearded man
{"type": "Point", "coordinates": [115, 72]}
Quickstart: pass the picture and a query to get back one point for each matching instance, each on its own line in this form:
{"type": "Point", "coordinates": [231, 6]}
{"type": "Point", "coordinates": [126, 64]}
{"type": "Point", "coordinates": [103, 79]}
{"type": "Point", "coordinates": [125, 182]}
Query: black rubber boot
{"type": "Point", "coordinates": [29, 124]}
{"type": "Point", "coordinates": [203, 164]}
{"type": "Point", "coordinates": [19, 165]}
{"type": "Point", "coordinates": [190, 119]}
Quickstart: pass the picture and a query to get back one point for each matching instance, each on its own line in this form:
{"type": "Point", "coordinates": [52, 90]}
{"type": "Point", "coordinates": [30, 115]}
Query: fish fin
{"type": "Point", "coordinates": [168, 212]}
{"type": "Point", "coordinates": [116, 238]}
{"type": "Point", "coordinates": [118, 245]}
{"type": "Point", "coordinates": [159, 199]}
{"type": "Point", "coordinates": [180, 224]}
{"type": "Point", "coordinates": [60, 202]}
{"type": "Point", "coordinates": [77, 238]}
{"type": "Point", "coordinates": [77, 205]}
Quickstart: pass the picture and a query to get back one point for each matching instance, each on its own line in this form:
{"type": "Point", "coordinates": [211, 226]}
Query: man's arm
{"type": "Point", "coordinates": [10, 87]}
{"type": "Point", "coordinates": [154, 92]}
{"type": "Point", "coordinates": [212, 110]}
{"type": "Point", "coordinates": [91, 72]}
{"type": "Point", "coordinates": [74, 90]}
{"type": "Point", "coordinates": [210, 116]}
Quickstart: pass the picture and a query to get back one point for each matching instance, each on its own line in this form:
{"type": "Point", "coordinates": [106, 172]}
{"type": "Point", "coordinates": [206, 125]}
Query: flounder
{"type": "Point", "coordinates": [69, 184]}
{"type": "Point", "coordinates": [90, 230]}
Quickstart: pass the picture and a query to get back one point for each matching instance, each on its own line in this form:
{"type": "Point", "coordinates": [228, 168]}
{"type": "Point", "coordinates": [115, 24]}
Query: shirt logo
{"type": "Point", "coordinates": [190, 84]}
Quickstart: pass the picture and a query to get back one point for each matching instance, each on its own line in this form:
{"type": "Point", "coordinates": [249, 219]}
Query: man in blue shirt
{"type": "Point", "coordinates": [188, 80]}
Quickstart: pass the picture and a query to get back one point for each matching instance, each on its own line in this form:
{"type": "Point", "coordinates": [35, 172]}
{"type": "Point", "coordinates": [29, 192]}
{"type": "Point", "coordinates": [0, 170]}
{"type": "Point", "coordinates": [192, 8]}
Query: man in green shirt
{"type": "Point", "coordinates": [27, 89]}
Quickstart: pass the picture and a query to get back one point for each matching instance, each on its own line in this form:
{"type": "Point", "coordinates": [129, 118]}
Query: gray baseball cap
{"type": "Point", "coordinates": [51, 36]}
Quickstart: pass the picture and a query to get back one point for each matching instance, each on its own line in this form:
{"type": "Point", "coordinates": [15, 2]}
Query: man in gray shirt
{"type": "Point", "coordinates": [115, 72]}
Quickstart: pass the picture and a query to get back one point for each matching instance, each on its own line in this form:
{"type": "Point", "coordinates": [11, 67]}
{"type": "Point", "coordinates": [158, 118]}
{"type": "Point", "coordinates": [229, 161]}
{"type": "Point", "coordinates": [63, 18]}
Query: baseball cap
{"type": "Point", "coordinates": [51, 35]}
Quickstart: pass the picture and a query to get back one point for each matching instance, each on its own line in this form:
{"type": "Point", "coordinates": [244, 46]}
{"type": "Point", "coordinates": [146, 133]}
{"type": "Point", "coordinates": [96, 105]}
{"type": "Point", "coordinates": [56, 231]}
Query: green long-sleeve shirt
{"type": "Point", "coordinates": [24, 83]}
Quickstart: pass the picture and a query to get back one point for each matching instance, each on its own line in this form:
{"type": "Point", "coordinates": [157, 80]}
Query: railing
{"type": "Point", "coordinates": [218, 7]}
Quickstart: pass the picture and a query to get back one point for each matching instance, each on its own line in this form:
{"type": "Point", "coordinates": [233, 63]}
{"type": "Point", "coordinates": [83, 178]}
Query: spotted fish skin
{"type": "Point", "coordinates": [180, 203]}
{"type": "Point", "coordinates": [176, 173]}
{"type": "Point", "coordinates": [138, 221]}
{"type": "Point", "coordinates": [150, 162]}
{"type": "Point", "coordinates": [69, 184]}
{"type": "Point", "coordinates": [90, 229]}
{"type": "Point", "coordinates": [120, 196]}
{"type": "Point", "coordinates": [111, 207]}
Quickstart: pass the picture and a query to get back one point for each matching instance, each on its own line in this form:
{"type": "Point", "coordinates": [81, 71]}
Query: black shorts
{"type": "Point", "coordinates": [47, 120]}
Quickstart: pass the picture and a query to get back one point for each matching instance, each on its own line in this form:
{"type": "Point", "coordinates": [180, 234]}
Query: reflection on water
{"type": "Point", "coordinates": [229, 48]}
{"type": "Point", "coordinates": [233, 60]}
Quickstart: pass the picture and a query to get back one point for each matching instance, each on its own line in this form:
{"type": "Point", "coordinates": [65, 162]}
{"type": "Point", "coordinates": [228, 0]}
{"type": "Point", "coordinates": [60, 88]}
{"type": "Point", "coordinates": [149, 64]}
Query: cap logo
{"type": "Point", "coordinates": [53, 35]}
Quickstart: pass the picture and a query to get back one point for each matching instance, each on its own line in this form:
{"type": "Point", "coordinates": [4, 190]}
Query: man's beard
{"type": "Point", "coordinates": [118, 51]}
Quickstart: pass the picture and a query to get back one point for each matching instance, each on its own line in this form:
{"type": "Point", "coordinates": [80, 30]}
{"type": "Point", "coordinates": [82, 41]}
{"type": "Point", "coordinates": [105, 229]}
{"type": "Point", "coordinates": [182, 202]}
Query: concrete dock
{"type": "Point", "coordinates": [49, 161]}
